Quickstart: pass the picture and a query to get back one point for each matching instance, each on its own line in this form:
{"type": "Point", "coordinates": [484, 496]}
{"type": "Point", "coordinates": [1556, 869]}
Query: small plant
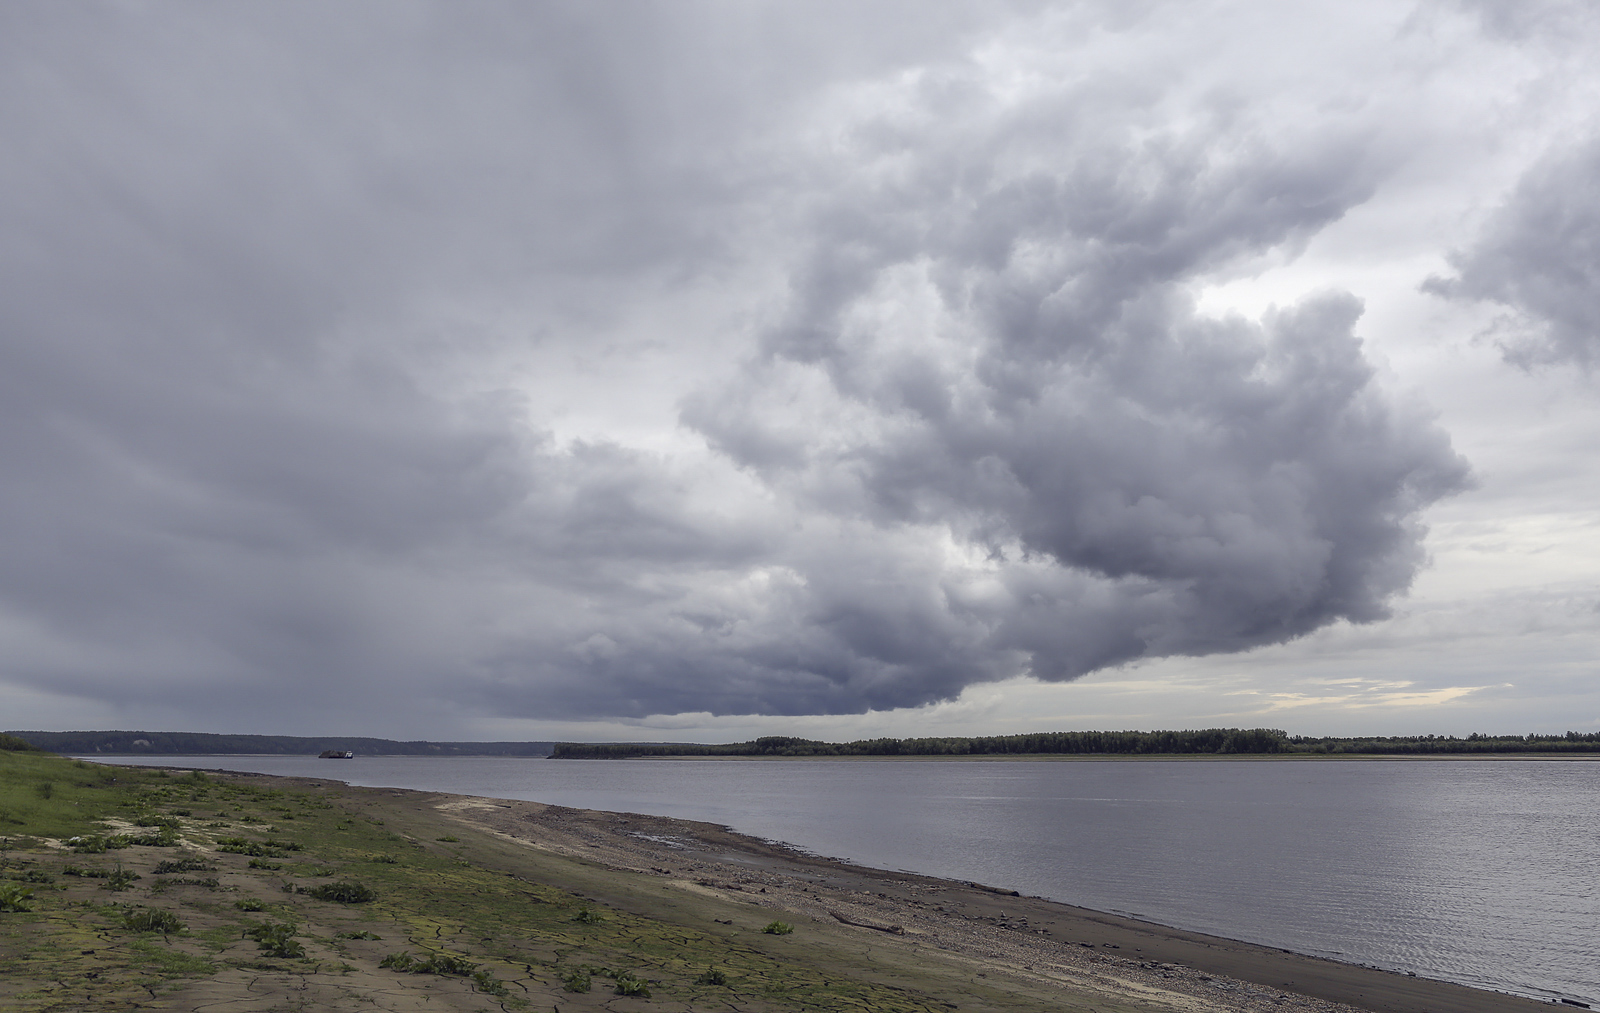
{"type": "Point", "coordinates": [343, 892]}
{"type": "Point", "coordinates": [385, 859]}
{"type": "Point", "coordinates": [712, 976]}
{"type": "Point", "coordinates": [249, 905]}
{"type": "Point", "coordinates": [45, 789]}
{"type": "Point", "coordinates": [15, 897]}
{"type": "Point", "coordinates": [256, 863]}
{"type": "Point", "coordinates": [576, 981]}
{"type": "Point", "coordinates": [627, 984]}
{"type": "Point", "coordinates": [484, 981]}
{"type": "Point", "coordinates": [33, 876]}
{"type": "Point", "coordinates": [444, 963]}
{"type": "Point", "coordinates": [437, 963]}
{"type": "Point", "coordinates": [587, 916]}
{"type": "Point", "coordinates": [148, 920]}
{"type": "Point", "coordinates": [448, 839]}
{"type": "Point", "coordinates": [121, 879]}
{"type": "Point", "coordinates": [778, 929]}
{"type": "Point", "coordinates": [358, 935]}
{"type": "Point", "coordinates": [276, 939]}
{"type": "Point", "coordinates": [184, 865]}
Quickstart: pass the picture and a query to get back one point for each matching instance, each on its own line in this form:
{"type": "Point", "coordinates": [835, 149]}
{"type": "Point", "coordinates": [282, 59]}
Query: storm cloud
{"type": "Point", "coordinates": [537, 362]}
{"type": "Point", "coordinates": [1538, 257]}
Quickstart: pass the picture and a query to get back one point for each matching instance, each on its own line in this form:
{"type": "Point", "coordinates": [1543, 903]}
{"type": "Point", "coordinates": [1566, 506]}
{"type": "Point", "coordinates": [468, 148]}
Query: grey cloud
{"type": "Point", "coordinates": [252, 463]}
{"type": "Point", "coordinates": [1011, 356]}
{"type": "Point", "coordinates": [1539, 257]}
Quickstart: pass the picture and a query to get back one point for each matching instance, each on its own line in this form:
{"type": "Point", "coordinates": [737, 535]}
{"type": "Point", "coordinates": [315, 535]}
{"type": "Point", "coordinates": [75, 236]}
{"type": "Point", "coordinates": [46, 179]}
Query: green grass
{"type": "Point", "coordinates": [465, 918]}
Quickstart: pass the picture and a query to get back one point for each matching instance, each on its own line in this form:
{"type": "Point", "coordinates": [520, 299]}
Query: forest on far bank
{"type": "Point", "coordinates": [1208, 741]}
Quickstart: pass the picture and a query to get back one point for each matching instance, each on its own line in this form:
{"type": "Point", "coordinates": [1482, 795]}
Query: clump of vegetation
{"type": "Point", "coordinates": [778, 929]}
{"type": "Point", "coordinates": [258, 849]}
{"type": "Point", "coordinates": [449, 839]}
{"type": "Point", "coordinates": [151, 920]}
{"type": "Point", "coordinates": [31, 876]}
{"type": "Point", "coordinates": [586, 916]}
{"type": "Point", "coordinates": [358, 935]}
{"type": "Point", "coordinates": [276, 939]}
{"type": "Point", "coordinates": [256, 863]}
{"type": "Point", "coordinates": [120, 879]}
{"type": "Point", "coordinates": [627, 984]}
{"type": "Point", "coordinates": [712, 976]}
{"type": "Point", "coordinates": [484, 981]}
{"type": "Point", "coordinates": [435, 963]}
{"type": "Point", "coordinates": [343, 892]}
{"type": "Point", "coordinates": [384, 859]}
{"type": "Point", "coordinates": [184, 865]}
{"type": "Point", "coordinates": [576, 981]}
{"type": "Point", "coordinates": [250, 904]}
{"type": "Point", "coordinates": [15, 897]}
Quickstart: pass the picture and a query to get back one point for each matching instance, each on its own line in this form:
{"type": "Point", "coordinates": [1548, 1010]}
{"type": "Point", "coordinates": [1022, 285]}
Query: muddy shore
{"type": "Point", "coordinates": [1014, 936]}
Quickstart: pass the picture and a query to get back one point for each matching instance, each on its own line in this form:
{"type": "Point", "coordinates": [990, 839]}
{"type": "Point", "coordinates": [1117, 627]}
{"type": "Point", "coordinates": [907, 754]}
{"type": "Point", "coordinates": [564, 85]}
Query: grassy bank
{"type": "Point", "coordinates": [123, 888]}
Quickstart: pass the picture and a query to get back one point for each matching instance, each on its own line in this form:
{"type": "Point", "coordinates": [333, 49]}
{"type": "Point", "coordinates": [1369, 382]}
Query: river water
{"type": "Point", "coordinates": [1481, 872]}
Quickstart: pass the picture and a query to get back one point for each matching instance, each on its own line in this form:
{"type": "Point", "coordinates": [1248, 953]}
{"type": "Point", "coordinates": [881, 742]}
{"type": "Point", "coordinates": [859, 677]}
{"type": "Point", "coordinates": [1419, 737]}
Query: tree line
{"type": "Point", "coordinates": [1206, 741]}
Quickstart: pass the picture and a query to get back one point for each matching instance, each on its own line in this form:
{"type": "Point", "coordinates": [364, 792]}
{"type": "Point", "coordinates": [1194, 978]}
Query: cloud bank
{"type": "Point", "coordinates": [518, 361]}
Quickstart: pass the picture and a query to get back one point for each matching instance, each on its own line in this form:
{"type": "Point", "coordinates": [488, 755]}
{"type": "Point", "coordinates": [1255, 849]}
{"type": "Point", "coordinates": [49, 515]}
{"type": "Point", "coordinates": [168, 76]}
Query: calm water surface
{"type": "Point", "coordinates": [1485, 873]}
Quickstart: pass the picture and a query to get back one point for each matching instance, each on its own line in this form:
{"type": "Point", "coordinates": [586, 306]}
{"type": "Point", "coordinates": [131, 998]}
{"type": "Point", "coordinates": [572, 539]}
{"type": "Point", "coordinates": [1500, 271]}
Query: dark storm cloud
{"type": "Point", "coordinates": [257, 455]}
{"type": "Point", "coordinates": [1005, 335]}
{"type": "Point", "coordinates": [1539, 256]}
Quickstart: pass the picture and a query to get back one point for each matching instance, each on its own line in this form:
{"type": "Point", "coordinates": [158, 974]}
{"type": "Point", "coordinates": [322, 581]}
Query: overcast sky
{"type": "Point", "coordinates": [696, 370]}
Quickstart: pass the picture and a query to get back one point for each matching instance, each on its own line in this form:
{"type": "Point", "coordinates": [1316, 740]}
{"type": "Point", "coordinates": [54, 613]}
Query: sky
{"type": "Point", "coordinates": [700, 370]}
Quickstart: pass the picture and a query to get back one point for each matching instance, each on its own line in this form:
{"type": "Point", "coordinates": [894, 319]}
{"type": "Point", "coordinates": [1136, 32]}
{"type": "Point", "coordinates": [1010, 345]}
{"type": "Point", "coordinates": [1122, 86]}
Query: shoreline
{"type": "Point", "coordinates": [644, 860]}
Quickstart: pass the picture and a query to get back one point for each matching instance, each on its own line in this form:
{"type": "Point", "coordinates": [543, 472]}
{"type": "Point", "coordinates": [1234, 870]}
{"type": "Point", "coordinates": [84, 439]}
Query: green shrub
{"type": "Point", "coordinates": [149, 920]}
{"type": "Point", "coordinates": [588, 917]}
{"type": "Point", "coordinates": [437, 963]}
{"type": "Point", "coordinates": [448, 839]}
{"type": "Point", "coordinates": [343, 892]}
{"type": "Point", "coordinates": [627, 984]}
{"type": "Point", "coordinates": [184, 865]}
{"type": "Point", "coordinates": [276, 939]}
{"type": "Point", "coordinates": [712, 976]}
{"type": "Point", "coordinates": [444, 963]}
{"type": "Point", "coordinates": [358, 935]}
{"type": "Point", "coordinates": [119, 880]}
{"type": "Point", "coordinates": [778, 929]}
{"type": "Point", "coordinates": [15, 897]}
{"type": "Point", "coordinates": [484, 981]}
{"type": "Point", "coordinates": [577, 981]}
{"type": "Point", "coordinates": [250, 904]}
{"type": "Point", "coordinates": [256, 863]}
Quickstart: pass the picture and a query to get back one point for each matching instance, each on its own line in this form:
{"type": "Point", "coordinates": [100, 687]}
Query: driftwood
{"type": "Point", "coordinates": [891, 929]}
